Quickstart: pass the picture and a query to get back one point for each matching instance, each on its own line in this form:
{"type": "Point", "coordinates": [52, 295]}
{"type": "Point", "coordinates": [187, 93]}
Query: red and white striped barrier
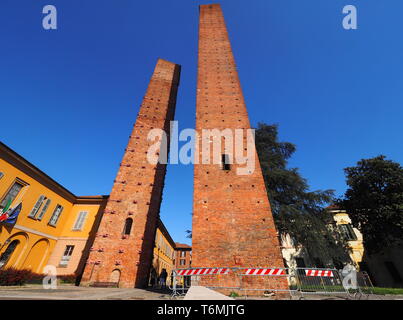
{"type": "Point", "coordinates": [265, 272]}
{"type": "Point", "coordinates": [319, 273]}
{"type": "Point", "coordinates": [202, 271]}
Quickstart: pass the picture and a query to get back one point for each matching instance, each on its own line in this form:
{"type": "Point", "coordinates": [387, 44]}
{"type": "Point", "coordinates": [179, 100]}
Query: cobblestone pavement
{"type": "Point", "coordinates": [70, 292]}
{"type": "Point", "coordinates": [66, 292]}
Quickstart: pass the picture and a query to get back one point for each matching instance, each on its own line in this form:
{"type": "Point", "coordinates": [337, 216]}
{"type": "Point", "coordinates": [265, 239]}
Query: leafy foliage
{"type": "Point", "coordinates": [297, 211]}
{"type": "Point", "coordinates": [19, 277]}
{"type": "Point", "coordinates": [15, 277]}
{"type": "Point", "coordinates": [374, 201]}
{"type": "Point", "coordinates": [67, 278]}
{"type": "Point", "coordinates": [189, 234]}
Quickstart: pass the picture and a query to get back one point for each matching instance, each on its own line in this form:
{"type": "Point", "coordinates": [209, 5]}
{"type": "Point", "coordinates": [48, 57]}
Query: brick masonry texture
{"type": "Point", "coordinates": [232, 220]}
{"type": "Point", "coordinates": [136, 193]}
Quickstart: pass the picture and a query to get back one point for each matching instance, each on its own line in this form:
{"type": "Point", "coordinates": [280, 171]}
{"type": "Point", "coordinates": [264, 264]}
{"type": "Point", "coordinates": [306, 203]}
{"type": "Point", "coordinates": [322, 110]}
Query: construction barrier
{"type": "Point", "coordinates": [183, 278]}
{"type": "Point", "coordinates": [365, 283]}
{"type": "Point", "coordinates": [237, 276]}
{"type": "Point", "coordinates": [363, 286]}
{"type": "Point", "coordinates": [318, 281]}
{"type": "Point", "coordinates": [202, 271]}
{"type": "Point", "coordinates": [264, 272]}
{"type": "Point", "coordinates": [299, 282]}
{"type": "Point", "coordinates": [266, 281]}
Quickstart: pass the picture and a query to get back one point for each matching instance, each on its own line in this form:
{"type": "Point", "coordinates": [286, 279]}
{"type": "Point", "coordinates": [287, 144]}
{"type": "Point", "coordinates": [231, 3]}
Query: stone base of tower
{"type": "Point", "coordinates": [121, 278]}
{"type": "Point", "coordinates": [104, 279]}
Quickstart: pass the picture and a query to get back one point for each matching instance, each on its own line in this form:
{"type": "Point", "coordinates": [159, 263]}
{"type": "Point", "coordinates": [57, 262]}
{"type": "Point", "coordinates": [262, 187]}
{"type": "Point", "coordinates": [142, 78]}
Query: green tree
{"type": "Point", "coordinates": [296, 210]}
{"type": "Point", "coordinates": [374, 201]}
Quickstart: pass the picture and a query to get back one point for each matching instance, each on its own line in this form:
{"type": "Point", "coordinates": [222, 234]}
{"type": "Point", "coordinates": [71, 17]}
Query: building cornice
{"type": "Point", "coordinates": [165, 232]}
{"type": "Point", "coordinates": [42, 234]}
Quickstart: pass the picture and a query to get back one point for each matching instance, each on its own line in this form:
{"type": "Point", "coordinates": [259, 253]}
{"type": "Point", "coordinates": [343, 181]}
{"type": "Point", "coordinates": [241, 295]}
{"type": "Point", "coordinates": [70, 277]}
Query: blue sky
{"type": "Point", "coordinates": [69, 97]}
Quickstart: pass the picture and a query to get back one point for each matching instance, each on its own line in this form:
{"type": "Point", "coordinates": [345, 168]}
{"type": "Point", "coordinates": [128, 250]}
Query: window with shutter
{"type": "Point", "coordinates": [68, 251]}
{"type": "Point", "coordinates": [36, 207]}
{"type": "Point", "coordinates": [55, 216]}
{"type": "Point", "coordinates": [43, 211]}
{"type": "Point", "coordinates": [11, 194]}
{"type": "Point", "coordinates": [347, 232]}
{"type": "Point", "coordinates": [78, 225]}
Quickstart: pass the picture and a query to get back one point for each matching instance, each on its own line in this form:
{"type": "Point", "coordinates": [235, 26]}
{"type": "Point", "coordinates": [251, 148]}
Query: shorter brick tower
{"type": "Point", "coordinates": [123, 247]}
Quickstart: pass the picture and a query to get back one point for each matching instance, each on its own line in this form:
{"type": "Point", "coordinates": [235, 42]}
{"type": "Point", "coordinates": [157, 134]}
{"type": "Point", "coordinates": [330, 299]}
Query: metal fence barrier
{"type": "Point", "coordinates": [184, 278]}
{"type": "Point", "coordinates": [364, 282]}
{"type": "Point", "coordinates": [318, 281]}
{"type": "Point", "coordinates": [363, 288]}
{"type": "Point", "coordinates": [299, 282]}
{"type": "Point", "coordinates": [267, 281]}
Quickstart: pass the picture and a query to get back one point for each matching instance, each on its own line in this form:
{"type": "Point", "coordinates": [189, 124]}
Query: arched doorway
{"type": "Point", "coordinates": [6, 255]}
{"type": "Point", "coordinates": [115, 276]}
{"type": "Point", "coordinates": [36, 256]}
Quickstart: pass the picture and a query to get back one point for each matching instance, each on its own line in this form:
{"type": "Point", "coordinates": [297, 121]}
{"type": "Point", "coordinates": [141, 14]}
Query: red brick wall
{"type": "Point", "coordinates": [136, 193]}
{"type": "Point", "coordinates": [232, 220]}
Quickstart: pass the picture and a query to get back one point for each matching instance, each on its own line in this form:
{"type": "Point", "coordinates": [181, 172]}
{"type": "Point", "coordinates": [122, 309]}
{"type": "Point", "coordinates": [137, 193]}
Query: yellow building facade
{"type": "Point", "coordinates": [352, 235]}
{"type": "Point", "coordinates": [54, 227]}
{"type": "Point", "coordinates": [164, 253]}
{"type": "Point", "coordinates": [298, 256]}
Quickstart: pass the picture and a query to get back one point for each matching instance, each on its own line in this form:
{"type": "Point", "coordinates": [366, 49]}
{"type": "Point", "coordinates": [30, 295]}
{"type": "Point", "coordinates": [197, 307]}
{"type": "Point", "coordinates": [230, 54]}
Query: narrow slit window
{"type": "Point", "coordinates": [225, 162]}
{"type": "Point", "coordinates": [128, 226]}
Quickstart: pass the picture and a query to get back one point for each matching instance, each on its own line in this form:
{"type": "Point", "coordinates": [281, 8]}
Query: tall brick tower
{"type": "Point", "coordinates": [232, 220]}
{"type": "Point", "coordinates": [123, 247]}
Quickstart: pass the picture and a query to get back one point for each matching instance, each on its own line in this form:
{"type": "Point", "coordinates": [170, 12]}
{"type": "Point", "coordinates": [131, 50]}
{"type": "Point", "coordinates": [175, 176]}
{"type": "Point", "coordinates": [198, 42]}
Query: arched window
{"type": "Point", "coordinates": [115, 276]}
{"type": "Point", "coordinates": [7, 254]}
{"type": "Point", "coordinates": [128, 226]}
